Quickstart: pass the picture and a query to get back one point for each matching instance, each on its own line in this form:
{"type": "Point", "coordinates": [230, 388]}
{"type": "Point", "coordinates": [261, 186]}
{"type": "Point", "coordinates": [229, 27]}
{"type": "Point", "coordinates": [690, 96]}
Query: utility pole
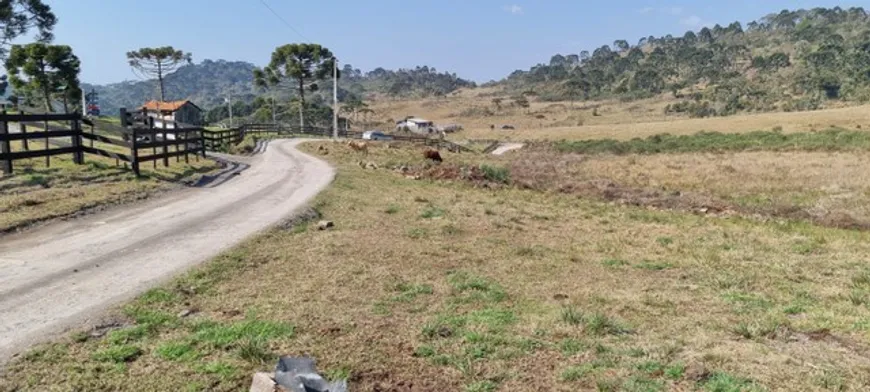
{"type": "Point", "coordinates": [230, 104]}
{"type": "Point", "coordinates": [274, 119]}
{"type": "Point", "coordinates": [334, 98]}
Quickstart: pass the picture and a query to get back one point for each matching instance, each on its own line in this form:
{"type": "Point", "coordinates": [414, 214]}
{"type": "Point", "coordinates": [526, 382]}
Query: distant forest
{"type": "Point", "coordinates": [792, 60]}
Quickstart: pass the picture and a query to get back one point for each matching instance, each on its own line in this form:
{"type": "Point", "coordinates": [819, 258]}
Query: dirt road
{"type": "Point", "coordinates": [66, 274]}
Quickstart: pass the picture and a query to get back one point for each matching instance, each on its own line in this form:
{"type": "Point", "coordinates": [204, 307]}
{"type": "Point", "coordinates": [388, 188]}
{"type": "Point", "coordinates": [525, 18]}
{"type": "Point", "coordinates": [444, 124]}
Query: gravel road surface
{"type": "Point", "coordinates": [67, 274]}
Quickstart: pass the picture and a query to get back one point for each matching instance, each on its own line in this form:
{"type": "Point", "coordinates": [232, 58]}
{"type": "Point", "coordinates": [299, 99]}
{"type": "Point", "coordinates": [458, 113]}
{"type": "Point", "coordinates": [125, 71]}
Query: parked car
{"type": "Point", "coordinates": [376, 135]}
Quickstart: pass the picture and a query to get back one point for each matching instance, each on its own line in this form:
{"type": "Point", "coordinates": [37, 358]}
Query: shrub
{"type": "Point", "coordinates": [496, 173]}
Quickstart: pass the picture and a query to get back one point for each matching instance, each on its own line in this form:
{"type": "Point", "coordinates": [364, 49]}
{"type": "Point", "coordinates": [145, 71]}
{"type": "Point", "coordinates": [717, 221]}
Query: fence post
{"type": "Point", "coordinates": [165, 146]}
{"type": "Point", "coordinates": [24, 141]}
{"type": "Point", "coordinates": [186, 146]}
{"type": "Point", "coordinates": [4, 146]}
{"type": "Point", "coordinates": [201, 142]}
{"type": "Point", "coordinates": [134, 150]}
{"type": "Point", "coordinates": [45, 129]}
{"type": "Point", "coordinates": [78, 154]}
{"type": "Point", "coordinates": [153, 136]}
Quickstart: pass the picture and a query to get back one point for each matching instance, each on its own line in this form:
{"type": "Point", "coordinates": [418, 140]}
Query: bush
{"type": "Point", "coordinates": [496, 173]}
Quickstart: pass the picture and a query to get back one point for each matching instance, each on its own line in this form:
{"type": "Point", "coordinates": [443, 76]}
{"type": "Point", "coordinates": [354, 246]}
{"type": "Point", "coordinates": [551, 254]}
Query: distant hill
{"type": "Point", "coordinates": [792, 60]}
{"type": "Point", "coordinates": [421, 81]}
{"type": "Point", "coordinates": [209, 82]}
{"type": "Point", "coordinates": [206, 84]}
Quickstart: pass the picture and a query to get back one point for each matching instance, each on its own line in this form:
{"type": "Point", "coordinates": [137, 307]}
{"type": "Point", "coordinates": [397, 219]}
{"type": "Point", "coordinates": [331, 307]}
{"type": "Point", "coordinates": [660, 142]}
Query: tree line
{"type": "Point", "coordinates": [792, 60]}
{"type": "Point", "coordinates": [421, 81]}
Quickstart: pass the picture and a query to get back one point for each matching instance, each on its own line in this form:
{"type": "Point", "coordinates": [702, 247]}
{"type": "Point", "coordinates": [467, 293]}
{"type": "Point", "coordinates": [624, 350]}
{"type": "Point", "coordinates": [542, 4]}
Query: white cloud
{"type": "Point", "coordinates": [675, 10]}
{"type": "Point", "coordinates": [645, 10]}
{"type": "Point", "coordinates": [513, 9]}
{"type": "Point", "coordinates": [693, 21]}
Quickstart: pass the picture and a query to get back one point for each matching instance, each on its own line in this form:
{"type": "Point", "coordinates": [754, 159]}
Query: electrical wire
{"type": "Point", "coordinates": [283, 20]}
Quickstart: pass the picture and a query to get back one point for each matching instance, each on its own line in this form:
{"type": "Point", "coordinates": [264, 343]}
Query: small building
{"type": "Point", "coordinates": [415, 125]}
{"type": "Point", "coordinates": [184, 112]}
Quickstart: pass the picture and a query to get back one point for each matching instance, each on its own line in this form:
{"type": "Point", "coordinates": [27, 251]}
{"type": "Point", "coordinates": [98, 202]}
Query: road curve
{"type": "Point", "coordinates": [66, 274]}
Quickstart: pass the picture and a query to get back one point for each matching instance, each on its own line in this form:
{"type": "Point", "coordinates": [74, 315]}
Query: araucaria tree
{"type": "Point", "coordinates": [46, 71]}
{"type": "Point", "coordinates": [17, 17]}
{"type": "Point", "coordinates": [157, 62]}
{"type": "Point", "coordinates": [302, 64]}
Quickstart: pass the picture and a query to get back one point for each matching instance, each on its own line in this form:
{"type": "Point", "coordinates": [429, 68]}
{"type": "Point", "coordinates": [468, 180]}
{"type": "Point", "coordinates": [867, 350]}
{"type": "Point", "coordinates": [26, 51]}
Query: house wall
{"type": "Point", "coordinates": [188, 114]}
{"type": "Point", "coordinates": [416, 128]}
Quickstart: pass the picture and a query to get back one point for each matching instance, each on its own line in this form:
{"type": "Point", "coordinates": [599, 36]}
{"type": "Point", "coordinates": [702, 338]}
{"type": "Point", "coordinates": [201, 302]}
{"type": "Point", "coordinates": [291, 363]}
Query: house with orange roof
{"type": "Point", "coordinates": [184, 112]}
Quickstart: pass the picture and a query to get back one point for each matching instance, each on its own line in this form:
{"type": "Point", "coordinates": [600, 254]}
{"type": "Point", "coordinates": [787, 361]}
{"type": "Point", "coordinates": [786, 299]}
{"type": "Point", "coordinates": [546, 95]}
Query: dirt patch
{"type": "Point", "coordinates": [544, 180]}
{"type": "Point", "coordinates": [835, 342]}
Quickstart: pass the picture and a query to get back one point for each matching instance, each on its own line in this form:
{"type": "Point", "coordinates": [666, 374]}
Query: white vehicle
{"type": "Point", "coordinates": [376, 135]}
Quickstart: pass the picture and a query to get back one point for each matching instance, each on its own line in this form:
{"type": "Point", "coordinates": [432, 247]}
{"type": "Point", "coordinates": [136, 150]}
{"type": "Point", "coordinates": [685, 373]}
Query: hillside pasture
{"type": "Point", "coordinates": [467, 276]}
{"type": "Point", "coordinates": [475, 110]}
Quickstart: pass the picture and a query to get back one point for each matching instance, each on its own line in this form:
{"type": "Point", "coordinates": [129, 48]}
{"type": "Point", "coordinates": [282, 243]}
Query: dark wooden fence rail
{"type": "Point", "coordinates": [72, 143]}
{"type": "Point", "coordinates": [138, 137]}
{"type": "Point", "coordinates": [142, 134]}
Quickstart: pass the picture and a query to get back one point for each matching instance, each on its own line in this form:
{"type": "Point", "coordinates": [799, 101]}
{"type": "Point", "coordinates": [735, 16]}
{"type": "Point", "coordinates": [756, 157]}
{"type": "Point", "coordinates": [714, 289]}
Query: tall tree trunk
{"type": "Point", "coordinates": [47, 94]}
{"type": "Point", "coordinates": [65, 104]}
{"type": "Point", "coordinates": [160, 81]}
{"type": "Point", "coordinates": [301, 104]}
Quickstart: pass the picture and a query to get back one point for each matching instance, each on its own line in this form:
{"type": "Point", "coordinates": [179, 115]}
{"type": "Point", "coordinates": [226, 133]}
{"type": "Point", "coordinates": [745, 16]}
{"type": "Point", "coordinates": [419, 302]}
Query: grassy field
{"type": "Point", "coordinates": [473, 283]}
{"type": "Point", "coordinates": [36, 193]}
{"type": "Point", "coordinates": [601, 119]}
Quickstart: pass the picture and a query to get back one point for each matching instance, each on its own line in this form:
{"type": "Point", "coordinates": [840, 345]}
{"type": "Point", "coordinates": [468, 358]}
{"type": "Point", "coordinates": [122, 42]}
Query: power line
{"type": "Point", "coordinates": [283, 20]}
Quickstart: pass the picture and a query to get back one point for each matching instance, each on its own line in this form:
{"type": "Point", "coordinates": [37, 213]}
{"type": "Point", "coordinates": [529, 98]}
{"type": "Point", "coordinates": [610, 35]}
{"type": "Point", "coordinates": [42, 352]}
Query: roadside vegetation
{"type": "Point", "coordinates": [481, 285]}
{"type": "Point", "coordinates": [828, 140]}
{"type": "Point", "coordinates": [36, 193]}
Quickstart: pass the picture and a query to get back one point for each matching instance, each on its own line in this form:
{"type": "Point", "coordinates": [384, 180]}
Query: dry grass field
{"type": "Point", "coordinates": [36, 193]}
{"type": "Point", "coordinates": [618, 120]}
{"type": "Point", "coordinates": [469, 276]}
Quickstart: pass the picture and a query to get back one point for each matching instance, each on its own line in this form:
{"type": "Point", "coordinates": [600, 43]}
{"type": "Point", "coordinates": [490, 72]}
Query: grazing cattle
{"type": "Point", "coordinates": [359, 146]}
{"type": "Point", "coordinates": [491, 127]}
{"type": "Point", "coordinates": [433, 155]}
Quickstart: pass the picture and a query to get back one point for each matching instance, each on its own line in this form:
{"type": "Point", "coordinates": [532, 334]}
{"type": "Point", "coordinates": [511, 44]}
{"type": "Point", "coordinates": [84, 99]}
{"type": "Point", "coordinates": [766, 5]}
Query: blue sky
{"type": "Point", "coordinates": [477, 39]}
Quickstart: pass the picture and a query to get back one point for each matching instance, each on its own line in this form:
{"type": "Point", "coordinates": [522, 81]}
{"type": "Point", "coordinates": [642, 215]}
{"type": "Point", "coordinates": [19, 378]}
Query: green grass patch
{"type": "Point", "coordinates": [570, 347]}
{"type": "Point", "coordinates": [157, 296]}
{"type": "Point", "coordinates": [223, 370]}
{"type": "Point", "coordinates": [724, 382]}
{"type": "Point", "coordinates": [576, 373]}
{"type": "Point", "coordinates": [177, 351]}
{"type": "Point", "coordinates": [653, 265]}
{"type": "Point", "coordinates": [614, 263]}
{"type": "Point", "coordinates": [594, 323]}
{"type": "Point", "coordinates": [470, 288]}
{"type": "Point", "coordinates": [224, 336]}
{"type": "Point", "coordinates": [408, 292]}
{"type": "Point", "coordinates": [481, 386]}
{"type": "Point", "coordinates": [117, 354]}
{"type": "Point", "coordinates": [128, 335]}
{"type": "Point", "coordinates": [496, 173]}
{"type": "Point", "coordinates": [829, 140]}
{"type": "Point", "coordinates": [432, 212]}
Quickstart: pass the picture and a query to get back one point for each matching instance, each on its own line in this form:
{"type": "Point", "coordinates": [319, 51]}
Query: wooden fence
{"type": "Point", "coordinates": [220, 140]}
{"type": "Point", "coordinates": [63, 134]}
{"type": "Point", "coordinates": [13, 127]}
{"type": "Point", "coordinates": [170, 139]}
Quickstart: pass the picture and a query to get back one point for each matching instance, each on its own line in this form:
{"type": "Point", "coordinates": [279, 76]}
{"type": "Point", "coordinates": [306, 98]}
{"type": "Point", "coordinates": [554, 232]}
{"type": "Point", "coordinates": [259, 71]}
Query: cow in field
{"type": "Point", "coordinates": [359, 146]}
{"type": "Point", "coordinates": [433, 155]}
